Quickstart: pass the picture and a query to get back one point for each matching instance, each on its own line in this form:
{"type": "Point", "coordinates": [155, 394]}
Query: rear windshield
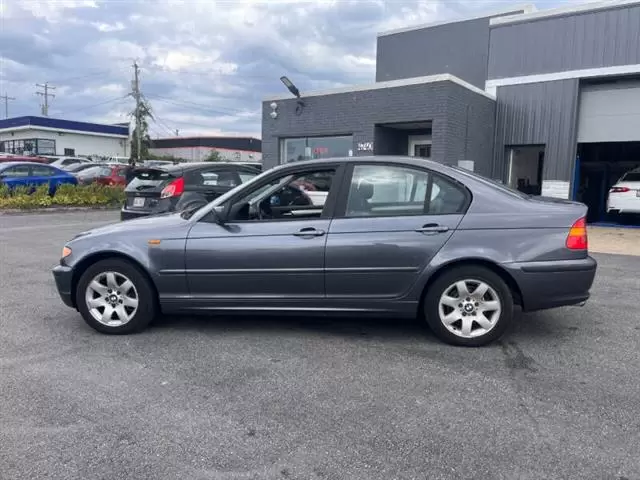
{"type": "Point", "coordinates": [631, 177]}
{"type": "Point", "coordinates": [487, 181]}
{"type": "Point", "coordinates": [148, 177]}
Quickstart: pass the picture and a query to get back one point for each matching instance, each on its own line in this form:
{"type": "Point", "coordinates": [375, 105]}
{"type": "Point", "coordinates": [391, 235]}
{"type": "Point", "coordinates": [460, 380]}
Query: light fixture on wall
{"type": "Point", "coordinates": [274, 108]}
{"type": "Point", "coordinates": [294, 90]}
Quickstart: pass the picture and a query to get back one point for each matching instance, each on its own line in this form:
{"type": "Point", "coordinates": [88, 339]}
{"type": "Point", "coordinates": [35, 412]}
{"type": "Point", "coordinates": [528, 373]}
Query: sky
{"type": "Point", "coordinates": [205, 66]}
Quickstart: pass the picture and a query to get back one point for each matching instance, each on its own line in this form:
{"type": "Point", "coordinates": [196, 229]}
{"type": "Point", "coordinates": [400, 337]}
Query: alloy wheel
{"type": "Point", "coordinates": [469, 308]}
{"type": "Point", "coordinates": [112, 299]}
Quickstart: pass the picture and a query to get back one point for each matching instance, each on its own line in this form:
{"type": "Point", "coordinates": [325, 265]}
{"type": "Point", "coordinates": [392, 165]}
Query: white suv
{"type": "Point", "coordinates": [624, 196]}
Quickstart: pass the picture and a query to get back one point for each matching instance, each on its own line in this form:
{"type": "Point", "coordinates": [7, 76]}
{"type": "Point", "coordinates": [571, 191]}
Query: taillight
{"type": "Point", "coordinates": [577, 238]}
{"type": "Point", "coordinates": [174, 189]}
{"type": "Point", "coordinates": [619, 189]}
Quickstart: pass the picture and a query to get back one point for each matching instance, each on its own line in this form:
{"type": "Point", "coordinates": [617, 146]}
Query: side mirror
{"type": "Point", "coordinates": [238, 211]}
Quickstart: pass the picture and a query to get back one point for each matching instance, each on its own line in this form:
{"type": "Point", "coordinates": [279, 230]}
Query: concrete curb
{"type": "Point", "coordinates": [28, 211]}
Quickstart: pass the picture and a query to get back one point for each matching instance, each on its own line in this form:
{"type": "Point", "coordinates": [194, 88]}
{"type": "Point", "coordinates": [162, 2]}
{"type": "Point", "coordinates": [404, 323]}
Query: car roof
{"type": "Point", "coordinates": [29, 164]}
{"type": "Point", "coordinates": [387, 159]}
{"type": "Point", "coordinates": [187, 166]}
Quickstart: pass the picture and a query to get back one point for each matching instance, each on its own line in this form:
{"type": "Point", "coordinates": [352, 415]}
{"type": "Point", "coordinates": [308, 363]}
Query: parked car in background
{"type": "Point", "coordinates": [157, 163]}
{"type": "Point", "coordinates": [154, 190]}
{"type": "Point", "coordinates": [624, 196]}
{"type": "Point", "coordinates": [104, 174]}
{"type": "Point", "coordinates": [65, 162]}
{"type": "Point", "coordinates": [256, 165]}
{"type": "Point", "coordinates": [385, 242]}
{"type": "Point", "coordinates": [33, 174]}
{"type": "Point", "coordinates": [23, 158]}
{"type": "Point", "coordinates": [117, 159]}
{"type": "Point", "coordinates": [78, 167]}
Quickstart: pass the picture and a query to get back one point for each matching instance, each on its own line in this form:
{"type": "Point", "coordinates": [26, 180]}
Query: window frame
{"type": "Point", "coordinates": [28, 167]}
{"type": "Point", "coordinates": [341, 206]}
{"type": "Point", "coordinates": [52, 171]}
{"type": "Point", "coordinates": [328, 208]}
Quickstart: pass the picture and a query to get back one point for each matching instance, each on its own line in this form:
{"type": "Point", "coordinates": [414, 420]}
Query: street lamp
{"type": "Point", "coordinates": [294, 90]}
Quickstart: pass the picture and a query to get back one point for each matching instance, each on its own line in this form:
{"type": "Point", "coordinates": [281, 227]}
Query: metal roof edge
{"type": "Point", "coordinates": [443, 77]}
{"type": "Point", "coordinates": [562, 11]}
{"type": "Point", "coordinates": [515, 10]}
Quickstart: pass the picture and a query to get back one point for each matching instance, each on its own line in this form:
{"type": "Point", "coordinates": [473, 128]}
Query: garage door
{"type": "Point", "coordinates": [609, 113]}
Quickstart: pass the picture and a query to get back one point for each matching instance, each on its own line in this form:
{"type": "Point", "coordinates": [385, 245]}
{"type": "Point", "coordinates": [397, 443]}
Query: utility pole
{"type": "Point", "coordinates": [136, 95]}
{"type": "Point", "coordinates": [6, 104]}
{"type": "Point", "coordinates": [46, 95]}
{"type": "Point", "coordinates": [177, 132]}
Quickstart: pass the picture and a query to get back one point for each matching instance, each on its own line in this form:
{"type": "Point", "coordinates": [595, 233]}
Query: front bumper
{"type": "Point", "coordinates": [553, 284]}
{"type": "Point", "coordinates": [63, 276]}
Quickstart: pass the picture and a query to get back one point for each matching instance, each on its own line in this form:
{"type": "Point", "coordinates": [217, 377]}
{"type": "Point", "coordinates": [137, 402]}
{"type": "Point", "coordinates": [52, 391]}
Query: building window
{"type": "Point", "coordinates": [307, 148]}
{"type": "Point", "coordinates": [38, 146]}
{"type": "Point", "coordinates": [71, 152]}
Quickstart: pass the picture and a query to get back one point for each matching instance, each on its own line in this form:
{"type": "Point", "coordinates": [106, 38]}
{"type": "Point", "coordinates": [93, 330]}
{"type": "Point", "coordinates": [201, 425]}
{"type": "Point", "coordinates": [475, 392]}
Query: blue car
{"type": "Point", "coordinates": [32, 174]}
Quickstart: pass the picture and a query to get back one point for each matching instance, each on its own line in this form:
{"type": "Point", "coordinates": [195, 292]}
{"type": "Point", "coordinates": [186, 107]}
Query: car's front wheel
{"type": "Point", "coordinates": [114, 297]}
{"type": "Point", "coordinates": [469, 306]}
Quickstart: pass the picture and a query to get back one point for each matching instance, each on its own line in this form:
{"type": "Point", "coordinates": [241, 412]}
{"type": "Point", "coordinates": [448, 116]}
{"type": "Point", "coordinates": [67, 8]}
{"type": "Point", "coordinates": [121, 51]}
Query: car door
{"type": "Point", "coordinates": [16, 176]}
{"type": "Point", "coordinates": [271, 247]}
{"type": "Point", "coordinates": [390, 222]}
{"type": "Point", "coordinates": [42, 175]}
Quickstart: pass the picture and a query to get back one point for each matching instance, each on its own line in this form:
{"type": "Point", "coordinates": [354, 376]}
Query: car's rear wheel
{"type": "Point", "coordinates": [114, 297]}
{"type": "Point", "coordinates": [469, 306]}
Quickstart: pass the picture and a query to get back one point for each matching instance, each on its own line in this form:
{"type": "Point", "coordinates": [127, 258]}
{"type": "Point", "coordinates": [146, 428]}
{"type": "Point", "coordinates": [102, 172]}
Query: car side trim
{"type": "Point", "coordinates": [285, 270]}
{"type": "Point", "coordinates": [556, 266]}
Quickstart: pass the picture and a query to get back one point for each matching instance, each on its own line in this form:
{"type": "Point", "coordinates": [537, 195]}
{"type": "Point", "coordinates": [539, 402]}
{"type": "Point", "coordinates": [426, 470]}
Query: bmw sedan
{"type": "Point", "coordinates": [394, 236]}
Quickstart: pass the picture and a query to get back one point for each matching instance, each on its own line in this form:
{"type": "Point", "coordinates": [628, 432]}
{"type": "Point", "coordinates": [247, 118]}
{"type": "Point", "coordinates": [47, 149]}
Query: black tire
{"type": "Point", "coordinates": [471, 272]}
{"type": "Point", "coordinates": [147, 301]}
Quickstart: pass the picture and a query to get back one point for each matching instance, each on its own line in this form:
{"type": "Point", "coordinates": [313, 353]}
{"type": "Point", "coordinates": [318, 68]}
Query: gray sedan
{"type": "Point", "coordinates": [364, 235]}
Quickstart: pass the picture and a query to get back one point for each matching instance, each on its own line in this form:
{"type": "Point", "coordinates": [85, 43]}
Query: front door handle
{"type": "Point", "coordinates": [432, 228]}
{"type": "Point", "coordinates": [309, 232]}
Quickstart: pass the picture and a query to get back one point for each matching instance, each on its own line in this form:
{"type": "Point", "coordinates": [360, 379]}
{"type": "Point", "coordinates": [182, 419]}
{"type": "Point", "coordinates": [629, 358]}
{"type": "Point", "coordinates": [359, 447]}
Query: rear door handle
{"type": "Point", "coordinates": [432, 228]}
{"type": "Point", "coordinates": [309, 232]}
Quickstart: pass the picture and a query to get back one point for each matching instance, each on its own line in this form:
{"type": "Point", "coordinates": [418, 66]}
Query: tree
{"type": "Point", "coordinates": [214, 156]}
{"type": "Point", "coordinates": [145, 140]}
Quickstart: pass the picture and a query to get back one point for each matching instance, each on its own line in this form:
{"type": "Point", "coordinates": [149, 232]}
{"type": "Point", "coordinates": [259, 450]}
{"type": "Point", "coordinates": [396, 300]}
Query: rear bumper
{"type": "Point", "coordinates": [164, 205]}
{"type": "Point", "coordinates": [623, 204]}
{"type": "Point", "coordinates": [553, 284]}
{"type": "Point", "coordinates": [63, 276]}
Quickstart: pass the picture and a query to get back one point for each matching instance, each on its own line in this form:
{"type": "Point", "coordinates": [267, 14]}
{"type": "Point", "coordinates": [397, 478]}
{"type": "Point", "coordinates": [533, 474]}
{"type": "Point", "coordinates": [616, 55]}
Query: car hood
{"type": "Point", "coordinates": [162, 223]}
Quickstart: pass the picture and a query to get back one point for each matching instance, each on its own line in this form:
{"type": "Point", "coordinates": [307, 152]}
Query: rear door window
{"type": "Point", "coordinates": [42, 171]}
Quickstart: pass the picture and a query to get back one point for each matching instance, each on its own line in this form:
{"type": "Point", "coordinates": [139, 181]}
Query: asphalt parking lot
{"type": "Point", "coordinates": [307, 398]}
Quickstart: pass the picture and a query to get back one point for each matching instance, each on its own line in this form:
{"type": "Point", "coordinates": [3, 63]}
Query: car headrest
{"type": "Point", "coordinates": [364, 188]}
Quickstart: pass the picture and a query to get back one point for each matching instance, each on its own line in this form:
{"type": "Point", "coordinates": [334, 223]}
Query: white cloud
{"type": "Point", "coordinates": [205, 65]}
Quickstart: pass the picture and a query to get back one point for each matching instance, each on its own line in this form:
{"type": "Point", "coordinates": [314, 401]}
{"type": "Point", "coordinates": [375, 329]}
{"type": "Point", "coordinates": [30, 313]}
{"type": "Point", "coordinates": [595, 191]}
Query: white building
{"type": "Point", "coordinates": [196, 149]}
{"type": "Point", "coordinates": [51, 136]}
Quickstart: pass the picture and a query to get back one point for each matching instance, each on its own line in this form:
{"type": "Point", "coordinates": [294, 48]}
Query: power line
{"type": "Point", "coordinates": [89, 107]}
{"type": "Point", "coordinates": [184, 103]}
{"type": "Point", "coordinates": [45, 95]}
{"type": "Point", "coordinates": [6, 104]}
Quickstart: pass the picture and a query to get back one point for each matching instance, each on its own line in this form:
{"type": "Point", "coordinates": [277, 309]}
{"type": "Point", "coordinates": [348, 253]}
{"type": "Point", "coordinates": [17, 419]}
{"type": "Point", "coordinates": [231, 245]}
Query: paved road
{"type": "Point", "coordinates": [291, 398]}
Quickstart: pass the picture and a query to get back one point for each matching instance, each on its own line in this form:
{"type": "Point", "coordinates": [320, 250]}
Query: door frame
{"type": "Point", "coordinates": [414, 140]}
